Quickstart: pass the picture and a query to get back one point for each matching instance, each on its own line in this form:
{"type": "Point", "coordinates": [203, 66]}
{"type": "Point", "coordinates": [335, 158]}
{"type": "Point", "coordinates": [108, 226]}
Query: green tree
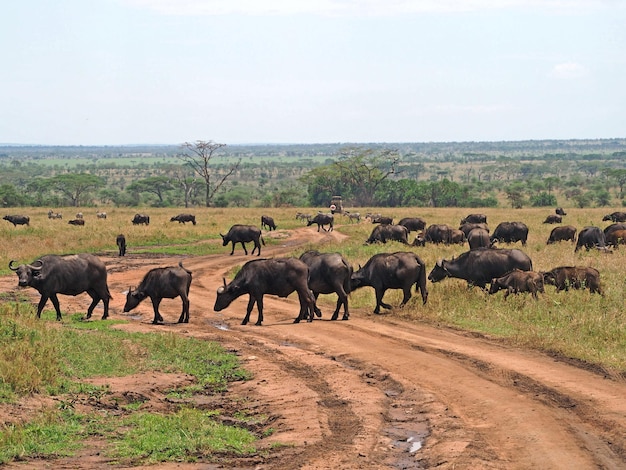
{"type": "Point", "coordinates": [199, 155]}
{"type": "Point", "coordinates": [619, 175]}
{"type": "Point", "coordinates": [157, 185]}
{"type": "Point", "coordinates": [75, 186]}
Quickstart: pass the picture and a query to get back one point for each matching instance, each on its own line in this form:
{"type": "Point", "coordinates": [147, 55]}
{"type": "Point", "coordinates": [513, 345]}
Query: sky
{"type": "Point", "coordinates": [122, 72]}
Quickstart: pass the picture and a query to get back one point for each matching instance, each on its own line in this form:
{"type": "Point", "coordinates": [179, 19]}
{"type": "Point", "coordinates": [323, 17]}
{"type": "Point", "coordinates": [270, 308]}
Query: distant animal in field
{"type": "Point", "coordinates": [478, 238]}
{"type": "Point", "coordinates": [591, 237]}
{"type": "Point", "coordinates": [303, 216]}
{"type": "Point", "coordinates": [159, 284]}
{"type": "Point", "coordinates": [518, 281]}
{"type": "Point", "coordinates": [267, 222]}
{"type": "Point", "coordinates": [575, 277]}
{"type": "Point", "coordinates": [510, 232]}
{"type": "Point", "coordinates": [474, 219]}
{"type": "Point", "coordinates": [385, 233]}
{"type": "Point", "coordinates": [616, 238]}
{"type": "Point", "coordinates": [182, 218]}
{"type": "Point", "coordinates": [559, 211]}
{"type": "Point", "coordinates": [243, 234]}
{"type": "Point", "coordinates": [121, 244]}
{"type": "Point", "coordinates": [321, 220]}
{"type": "Point", "coordinates": [140, 219]}
{"type": "Point", "coordinates": [54, 215]}
{"type": "Point", "coordinates": [615, 217]}
{"type": "Point", "coordinates": [413, 224]}
{"type": "Point", "coordinates": [79, 215]}
{"type": "Point", "coordinates": [17, 219]}
{"type": "Point", "coordinates": [101, 215]}
{"type": "Point", "coordinates": [79, 222]}
{"type": "Point", "coordinates": [352, 216]}
{"type": "Point", "coordinates": [553, 219]}
{"type": "Point", "coordinates": [563, 233]}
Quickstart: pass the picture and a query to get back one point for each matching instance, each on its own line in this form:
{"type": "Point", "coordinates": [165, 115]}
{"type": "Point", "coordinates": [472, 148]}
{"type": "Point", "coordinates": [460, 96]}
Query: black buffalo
{"type": "Point", "coordinates": [510, 232]}
{"type": "Point", "coordinates": [79, 222]}
{"type": "Point", "coordinates": [17, 219]}
{"type": "Point", "coordinates": [478, 267]}
{"type": "Point", "coordinates": [275, 276]}
{"type": "Point", "coordinates": [139, 219]}
{"type": "Point", "coordinates": [267, 222]}
{"type": "Point", "coordinates": [591, 237]}
{"type": "Point", "coordinates": [478, 238]}
{"type": "Point", "coordinates": [559, 211]}
{"type": "Point", "coordinates": [68, 275]}
{"type": "Point", "coordinates": [474, 219]}
{"type": "Point", "coordinates": [468, 227]}
{"type": "Point", "coordinates": [392, 271]}
{"type": "Point", "coordinates": [328, 273]}
{"type": "Point", "coordinates": [518, 281]}
{"type": "Point", "coordinates": [321, 220]}
{"type": "Point", "coordinates": [612, 227]}
{"type": "Point", "coordinates": [120, 241]}
{"type": "Point", "coordinates": [159, 284]}
{"type": "Point", "coordinates": [438, 233]}
{"type": "Point", "coordinates": [575, 277]}
{"type": "Point", "coordinates": [553, 219]}
{"type": "Point", "coordinates": [385, 233]}
{"type": "Point", "coordinates": [379, 219]}
{"type": "Point", "coordinates": [243, 234]}
{"type": "Point", "coordinates": [182, 218]}
{"type": "Point", "coordinates": [413, 224]}
{"type": "Point", "coordinates": [564, 233]}
{"type": "Point", "coordinates": [615, 217]}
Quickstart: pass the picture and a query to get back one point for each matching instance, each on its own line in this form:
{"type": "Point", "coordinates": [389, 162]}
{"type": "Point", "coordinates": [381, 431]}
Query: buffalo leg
{"type": "Point", "coordinates": [42, 303]}
{"type": "Point", "coordinates": [259, 306]}
{"type": "Point", "coordinates": [245, 250]}
{"type": "Point", "coordinates": [379, 301]}
{"type": "Point", "coordinates": [251, 303]}
{"type": "Point", "coordinates": [105, 302]}
{"type": "Point", "coordinates": [157, 316]}
{"type": "Point", "coordinates": [184, 316]}
{"type": "Point", "coordinates": [95, 299]}
{"type": "Point", "coordinates": [318, 312]}
{"type": "Point", "coordinates": [407, 296]}
{"type": "Point", "coordinates": [55, 302]}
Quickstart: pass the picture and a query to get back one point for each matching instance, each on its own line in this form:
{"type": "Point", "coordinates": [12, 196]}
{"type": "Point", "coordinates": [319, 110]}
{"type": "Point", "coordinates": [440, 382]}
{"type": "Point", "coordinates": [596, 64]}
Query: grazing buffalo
{"type": "Point", "coordinates": [591, 237]}
{"type": "Point", "coordinates": [478, 238]}
{"type": "Point", "coordinates": [385, 233]}
{"type": "Point", "coordinates": [616, 237]}
{"type": "Point", "coordinates": [328, 273]}
{"type": "Point", "coordinates": [321, 220]}
{"type": "Point", "coordinates": [564, 233]}
{"type": "Point", "coordinates": [468, 227]}
{"type": "Point", "coordinates": [120, 241]}
{"type": "Point", "coordinates": [392, 271]}
{"type": "Point", "coordinates": [553, 219]}
{"type": "Point", "coordinates": [457, 237]}
{"type": "Point", "coordinates": [474, 219]}
{"type": "Point", "coordinates": [101, 215]}
{"type": "Point", "coordinates": [438, 233]}
{"type": "Point", "coordinates": [420, 239]}
{"type": "Point", "coordinates": [267, 222]}
{"type": "Point", "coordinates": [413, 224]}
{"type": "Point", "coordinates": [612, 227]}
{"type": "Point", "coordinates": [478, 267]}
{"type": "Point", "coordinates": [183, 218]}
{"type": "Point", "coordinates": [576, 277]}
{"type": "Point", "coordinates": [159, 284]}
{"type": "Point", "coordinates": [68, 275]}
{"type": "Point", "coordinates": [17, 219]}
{"type": "Point", "coordinates": [275, 276]}
{"type": "Point", "coordinates": [559, 211]}
{"type": "Point", "coordinates": [54, 215]}
{"type": "Point", "coordinates": [379, 219]}
{"type": "Point", "coordinates": [518, 281]}
{"type": "Point", "coordinates": [510, 232]}
{"type": "Point", "coordinates": [615, 217]}
{"type": "Point", "coordinates": [243, 234]}
{"type": "Point", "coordinates": [80, 222]}
{"type": "Point", "coordinates": [139, 219]}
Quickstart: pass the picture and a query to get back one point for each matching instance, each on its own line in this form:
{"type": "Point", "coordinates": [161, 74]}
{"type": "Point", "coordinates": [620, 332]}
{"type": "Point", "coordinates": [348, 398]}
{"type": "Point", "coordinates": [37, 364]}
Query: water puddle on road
{"type": "Point", "coordinates": [219, 325]}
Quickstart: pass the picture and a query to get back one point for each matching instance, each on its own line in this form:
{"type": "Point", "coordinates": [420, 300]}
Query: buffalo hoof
{"type": "Point", "coordinates": [345, 317]}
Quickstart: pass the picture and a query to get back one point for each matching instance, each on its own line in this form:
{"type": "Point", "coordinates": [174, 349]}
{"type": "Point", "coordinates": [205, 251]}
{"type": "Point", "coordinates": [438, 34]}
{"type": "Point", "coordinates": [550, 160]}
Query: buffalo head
{"type": "Point", "coordinates": [133, 298]}
{"type": "Point", "coordinates": [27, 273]}
{"type": "Point", "coordinates": [439, 272]}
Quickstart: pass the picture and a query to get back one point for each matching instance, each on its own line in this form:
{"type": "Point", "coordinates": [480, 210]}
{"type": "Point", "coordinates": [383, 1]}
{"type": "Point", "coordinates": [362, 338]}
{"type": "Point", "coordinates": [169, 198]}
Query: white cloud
{"type": "Point", "coordinates": [350, 7]}
{"type": "Point", "coordinates": [568, 71]}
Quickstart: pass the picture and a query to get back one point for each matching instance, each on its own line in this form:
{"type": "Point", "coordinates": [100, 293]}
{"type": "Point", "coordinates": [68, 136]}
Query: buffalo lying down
{"type": "Point", "coordinates": [275, 276]}
{"type": "Point", "coordinates": [159, 284]}
{"type": "Point", "coordinates": [68, 275]}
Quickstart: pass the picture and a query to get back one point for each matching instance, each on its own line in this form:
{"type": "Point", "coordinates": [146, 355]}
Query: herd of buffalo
{"type": "Point", "coordinates": [315, 273]}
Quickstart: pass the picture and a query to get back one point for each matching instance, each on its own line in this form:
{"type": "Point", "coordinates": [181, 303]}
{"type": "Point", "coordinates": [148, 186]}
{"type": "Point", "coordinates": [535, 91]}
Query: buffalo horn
{"type": "Point", "coordinates": [11, 265]}
{"type": "Point", "coordinates": [38, 267]}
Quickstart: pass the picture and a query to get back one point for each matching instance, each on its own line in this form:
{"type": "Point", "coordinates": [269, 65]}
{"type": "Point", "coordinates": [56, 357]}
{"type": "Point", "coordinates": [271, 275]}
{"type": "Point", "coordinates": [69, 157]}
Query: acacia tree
{"type": "Point", "coordinates": [199, 155]}
{"type": "Point", "coordinates": [75, 185]}
{"type": "Point", "coordinates": [157, 185]}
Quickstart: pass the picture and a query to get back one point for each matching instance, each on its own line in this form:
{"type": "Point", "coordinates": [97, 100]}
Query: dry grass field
{"type": "Point", "coordinates": [575, 324]}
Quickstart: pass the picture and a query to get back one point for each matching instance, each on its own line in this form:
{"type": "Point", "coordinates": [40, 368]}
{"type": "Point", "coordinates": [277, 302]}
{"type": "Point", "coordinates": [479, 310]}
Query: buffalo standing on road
{"type": "Point", "coordinates": [17, 219]}
{"type": "Point", "coordinates": [576, 277]}
{"type": "Point", "coordinates": [392, 271]}
{"type": "Point", "coordinates": [159, 284]}
{"type": "Point", "coordinates": [139, 219]}
{"type": "Point", "coordinates": [243, 234]}
{"type": "Point", "coordinates": [328, 273]}
{"type": "Point", "coordinates": [591, 237]}
{"type": "Point", "coordinates": [275, 276]}
{"type": "Point", "coordinates": [120, 241]}
{"type": "Point", "coordinates": [510, 232]}
{"type": "Point", "coordinates": [518, 281]}
{"type": "Point", "coordinates": [385, 233]}
{"type": "Point", "coordinates": [182, 218]}
{"type": "Point", "coordinates": [564, 233]}
{"type": "Point", "coordinates": [267, 222]}
{"type": "Point", "coordinates": [67, 275]}
{"type": "Point", "coordinates": [478, 267]}
{"type": "Point", "coordinates": [321, 220]}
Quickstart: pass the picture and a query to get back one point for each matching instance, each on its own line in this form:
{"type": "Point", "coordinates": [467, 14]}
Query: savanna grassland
{"type": "Point", "coordinates": [577, 324]}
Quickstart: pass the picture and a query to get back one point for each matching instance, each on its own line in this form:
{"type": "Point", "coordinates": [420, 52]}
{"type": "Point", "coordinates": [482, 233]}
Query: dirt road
{"type": "Point", "coordinates": [374, 392]}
